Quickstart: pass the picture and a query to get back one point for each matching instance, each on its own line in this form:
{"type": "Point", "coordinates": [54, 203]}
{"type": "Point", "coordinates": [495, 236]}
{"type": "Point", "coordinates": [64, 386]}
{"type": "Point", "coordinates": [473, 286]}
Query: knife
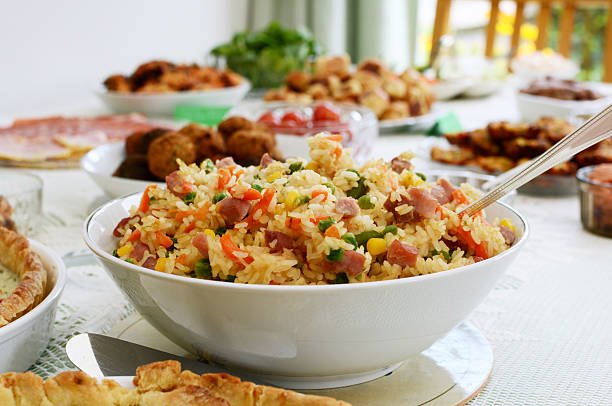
{"type": "Point", "coordinates": [100, 355]}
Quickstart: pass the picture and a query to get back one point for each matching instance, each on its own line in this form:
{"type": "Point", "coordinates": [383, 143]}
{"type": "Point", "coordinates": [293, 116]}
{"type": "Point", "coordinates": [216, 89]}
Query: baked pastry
{"type": "Point", "coordinates": [17, 257]}
{"type": "Point", "coordinates": [6, 212]}
{"type": "Point", "coordinates": [160, 383]}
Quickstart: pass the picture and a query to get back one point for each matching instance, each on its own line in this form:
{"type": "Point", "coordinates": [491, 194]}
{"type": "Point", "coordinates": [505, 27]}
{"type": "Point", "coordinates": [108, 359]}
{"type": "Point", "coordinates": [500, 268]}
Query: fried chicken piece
{"type": "Point", "coordinates": [376, 100]}
{"type": "Point", "coordinates": [154, 87]}
{"type": "Point", "coordinates": [482, 144]}
{"type": "Point", "coordinates": [600, 153]}
{"type": "Point", "coordinates": [462, 139]}
{"type": "Point", "coordinates": [149, 72]}
{"type": "Point", "coordinates": [563, 169]}
{"type": "Point", "coordinates": [375, 66]}
{"type": "Point", "coordinates": [247, 146]}
{"type": "Point", "coordinates": [165, 150]}
{"type": "Point", "coordinates": [554, 128]}
{"type": "Point", "coordinates": [504, 130]}
{"type": "Point", "coordinates": [118, 83]}
{"type": "Point", "coordinates": [230, 78]}
{"type": "Point", "coordinates": [494, 163]}
{"type": "Point", "coordinates": [454, 156]}
{"type": "Point", "coordinates": [525, 148]}
{"type": "Point", "coordinates": [232, 124]}
{"type": "Point", "coordinates": [298, 81]}
{"type": "Point", "coordinates": [177, 79]}
{"type": "Point", "coordinates": [397, 109]}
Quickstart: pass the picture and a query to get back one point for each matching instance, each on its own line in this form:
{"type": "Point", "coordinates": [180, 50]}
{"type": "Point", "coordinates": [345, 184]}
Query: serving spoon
{"type": "Point", "coordinates": [592, 131]}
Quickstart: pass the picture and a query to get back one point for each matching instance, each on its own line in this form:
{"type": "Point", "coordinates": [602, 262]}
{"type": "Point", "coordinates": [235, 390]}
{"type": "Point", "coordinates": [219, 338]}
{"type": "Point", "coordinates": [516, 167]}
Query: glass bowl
{"type": "Point", "coordinates": [24, 193]}
{"type": "Point", "coordinates": [358, 125]}
{"type": "Point", "coordinates": [595, 203]}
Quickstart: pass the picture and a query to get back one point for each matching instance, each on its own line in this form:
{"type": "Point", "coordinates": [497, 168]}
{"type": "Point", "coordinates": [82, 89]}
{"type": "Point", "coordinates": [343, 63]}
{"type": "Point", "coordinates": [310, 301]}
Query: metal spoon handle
{"type": "Point", "coordinates": [594, 130]}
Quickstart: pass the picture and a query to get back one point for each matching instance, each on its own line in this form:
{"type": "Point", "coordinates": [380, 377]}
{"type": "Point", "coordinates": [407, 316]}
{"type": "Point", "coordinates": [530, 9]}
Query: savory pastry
{"type": "Point", "coordinates": [21, 268]}
{"type": "Point", "coordinates": [164, 76]}
{"type": "Point", "coordinates": [157, 384]}
{"type": "Point", "coordinates": [6, 213]}
{"type": "Point", "coordinates": [372, 84]}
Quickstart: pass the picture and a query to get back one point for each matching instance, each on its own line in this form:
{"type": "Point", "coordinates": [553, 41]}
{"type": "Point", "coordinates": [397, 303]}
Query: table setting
{"type": "Point", "coordinates": [332, 231]}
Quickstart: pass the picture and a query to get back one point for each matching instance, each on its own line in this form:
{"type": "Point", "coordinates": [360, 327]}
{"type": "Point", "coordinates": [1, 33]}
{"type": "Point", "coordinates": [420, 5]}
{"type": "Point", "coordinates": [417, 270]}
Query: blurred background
{"type": "Point", "coordinates": [59, 53]}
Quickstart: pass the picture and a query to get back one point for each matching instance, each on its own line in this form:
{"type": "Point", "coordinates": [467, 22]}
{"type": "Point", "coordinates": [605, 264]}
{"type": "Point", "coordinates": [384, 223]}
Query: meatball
{"type": "Point", "coordinates": [118, 83]}
{"type": "Point", "coordinates": [165, 150]}
{"type": "Point", "coordinates": [135, 167]}
{"type": "Point", "coordinates": [140, 144]}
{"type": "Point", "coordinates": [248, 146]}
{"type": "Point", "coordinates": [230, 125]}
{"type": "Point", "coordinates": [131, 143]}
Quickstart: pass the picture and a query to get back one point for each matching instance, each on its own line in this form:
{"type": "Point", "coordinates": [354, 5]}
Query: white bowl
{"type": "Point", "coordinates": [533, 107]}
{"type": "Point", "coordinates": [483, 87]}
{"type": "Point", "coordinates": [447, 89]}
{"type": "Point", "coordinates": [164, 104]}
{"type": "Point", "coordinates": [302, 336]}
{"type": "Point", "coordinates": [22, 341]}
{"type": "Point", "coordinates": [100, 164]}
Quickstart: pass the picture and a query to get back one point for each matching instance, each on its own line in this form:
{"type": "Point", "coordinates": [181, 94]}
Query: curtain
{"type": "Point", "coordinates": [385, 29]}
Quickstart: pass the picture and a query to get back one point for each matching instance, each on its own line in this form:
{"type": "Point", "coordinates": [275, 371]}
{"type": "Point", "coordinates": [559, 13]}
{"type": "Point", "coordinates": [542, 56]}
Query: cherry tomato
{"type": "Point", "coordinates": [325, 112]}
{"type": "Point", "coordinates": [293, 119]}
{"type": "Point", "coordinates": [268, 119]}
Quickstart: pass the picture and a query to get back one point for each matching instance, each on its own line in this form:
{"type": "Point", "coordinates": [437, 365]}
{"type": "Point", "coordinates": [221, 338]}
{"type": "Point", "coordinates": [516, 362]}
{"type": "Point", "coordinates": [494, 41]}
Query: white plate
{"type": "Point", "coordinates": [164, 104]}
{"type": "Point", "coordinates": [447, 89]}
{"type": "Point", "coordinates": [484, 87]}
{"type": "Point", "coordinates": [101, 162]}
{"type": "Point", "coordinates": [533, 107]}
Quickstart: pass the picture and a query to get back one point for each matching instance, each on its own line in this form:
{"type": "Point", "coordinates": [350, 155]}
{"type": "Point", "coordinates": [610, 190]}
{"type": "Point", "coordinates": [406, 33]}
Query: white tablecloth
{"type": "Point", "coordinates": [549, 319]}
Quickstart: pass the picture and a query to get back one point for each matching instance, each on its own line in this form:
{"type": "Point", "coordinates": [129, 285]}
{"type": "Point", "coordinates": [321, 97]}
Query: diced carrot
{"type": "Point", "coordinates": [466, 237]}
{"type": "Point", "coordinates": [262, 205]}
{"type": "Point", "coordinates": [188, 186]}
{"type": "Point", "coordinates": [293, 223]}
{"type": "Point", "coordinates": [181, 259]}
{"type": "Point", "coordinates": [183, 214]}
{"type": "Point", "coordinates": [460, 197]}
{"type": "Point", "coordinates": [393, 181]}
{"type": "Point", "coordinates": [144, 201]}
{"type": "Point", "coordinates": [134, 236]}
{"type": "Point", "coordinates": [190, 227]}
{"type": "Point", "coordinates": [315, 220]}
{"type": "Point", "coordinates": [163, 239]}
{"type": "Point", "coordinates": [481, 250]}
{"type": "Point", "coordinates": [335, 137]}
{"type": "Point", "coordinates": [224, 178]}
{"type": "Point", "coordinates": [229, 248]}
{"type": "Point", "coordinates": [439, 210]}
{"type": "Point", "coordinates": [332, 232]}
{"type": "Point", "coordinates": [201, 214]}
{"type": "Point", "coordinates": [338, 152]}
{"type": "Point", "coordinates": [274, 283]}
{"type": "Point", "coordinates": [251, 194]}
{"type": "Point", "coordinates": [316, 193]}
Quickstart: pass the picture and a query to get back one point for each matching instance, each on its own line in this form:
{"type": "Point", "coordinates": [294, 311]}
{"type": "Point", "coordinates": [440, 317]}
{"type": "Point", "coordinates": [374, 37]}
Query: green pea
{"type": "Point", "coordinates": [230, 278]}
{"type": "Point", "coordinates": [350, 238]}
{"type": "Point", "coordinates": [295, 166]}
{"type": "Point", "coordinates": [335, 255]}
{"type": "Point", "coordinates": [359, 190]}
{"type": "Point", "coordinates": [443, 254]}
{"type": "Point", "coordinates": [202, 268]}
{"type": "Point", "coordinates": [301, 200]}
{"type": "Point", "coordinates": [208, 165]}
{"type": "Point", "coordinates": [115, 253]}
{"type": "Point", "coordinates": [420, 175]}
{"type": "Point", "coordinates": [218, 197]}
{"type": "Point", "coordinates": [340, 278]}
{"type": "Point", "coordinates": [130, 260]}
{"type": "Point", "coordinates": [325, 224]}
{"type": "Point", "coordinates": [362, 238]}
{"type": "Point", "coordinates": [220, 231]}
{"type": "Point", "coordinates": [389, 229]}
{"type": "Point", "coordinates": [365, 202]}
{"type": "Point", "coordinates": [189, 198]}
{"type": "Point", "coordinates": [257, 187]}
{"type": "Point", "coordinates": [330, 186]}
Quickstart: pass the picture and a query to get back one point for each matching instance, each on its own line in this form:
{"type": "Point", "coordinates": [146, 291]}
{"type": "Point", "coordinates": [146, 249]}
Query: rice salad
{"type": "Point", "coordinates": [300, 222]}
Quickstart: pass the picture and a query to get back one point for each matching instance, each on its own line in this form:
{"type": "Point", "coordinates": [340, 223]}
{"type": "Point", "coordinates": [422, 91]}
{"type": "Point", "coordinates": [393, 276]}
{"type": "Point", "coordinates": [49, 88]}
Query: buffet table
{"type": "Point", "coordinates": [549, 319]}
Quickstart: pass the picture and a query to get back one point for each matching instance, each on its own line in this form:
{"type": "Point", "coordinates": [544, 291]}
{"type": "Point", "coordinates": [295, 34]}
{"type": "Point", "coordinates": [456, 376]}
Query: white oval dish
{"type": "Point", "coordinates": [101, 162]}
{"type": "Point", "coordinates": [22, 341]}
{"type": "Point", "coordinates": [164, 104]}
{"type": "Point", "coordinates": [533, 107]}
{"type": "Point", "coordinates": [345, 333]}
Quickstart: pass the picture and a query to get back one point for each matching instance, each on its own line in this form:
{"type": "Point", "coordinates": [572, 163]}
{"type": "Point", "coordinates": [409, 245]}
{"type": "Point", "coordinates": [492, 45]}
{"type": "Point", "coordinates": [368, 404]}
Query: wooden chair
{"type": "Point", "coordinates": [443, 8]}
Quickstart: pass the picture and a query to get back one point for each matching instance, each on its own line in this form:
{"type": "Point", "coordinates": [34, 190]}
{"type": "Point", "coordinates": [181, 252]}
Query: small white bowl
{"type": "Point", "coordinates": [100, 164]}
{"type": "Point", "coordinates": [164, 104]}
{"type": "Point", "coordinates": [533, 107]}
{"type": "Point", "coordinates": [302, 336]}
{"type": "Point", "coordinates": [22, 341]}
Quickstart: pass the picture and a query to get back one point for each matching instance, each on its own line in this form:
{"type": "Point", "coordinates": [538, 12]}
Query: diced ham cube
{"type": "Point", "coordinates": [150, 263]}
{"type": "Point", "coordinates": [399, 164]}
{"type": "Point", "coordinates": [175, 184]}
{"type": "Point", "coordinates": [233, 210]}
{"type": "Point", "coordinates": [402, 254]}
{"type": "Point", "coordinates": [200, 241]}
{"type": "Point", "coordinates": [347, 207]}
{"type": "Point", "coordinates": [423, 203]}
{"type": "Point", "coordinates": [352, 262]}
{"type": "Point", "coordinates": [443, 191]}
{"type": "Point", "coordinates": [282, 241]}
{"type": "Point", "coordinates": [508, 234]}
{"type": "Point", "coordinates": [225, 162]}
{"type": "Point", "coordinates": [139, 250]}
{"type": "Point", "coordinates": [266, 160]}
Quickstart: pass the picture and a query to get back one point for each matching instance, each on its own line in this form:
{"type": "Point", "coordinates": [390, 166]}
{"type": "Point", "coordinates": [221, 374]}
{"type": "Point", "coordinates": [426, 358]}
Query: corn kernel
{"type": "Point", "coordinates": [290, 199]}
{"type": "Point", "coordinates": [125, 250]}
{"type": "Point", "coordinates": [310, 165]}
{"type": "Point", "coordinates": [507, 223]}
{"type": "Point", "coordinates": [161, 264]}
{"type": "Point", "coordinates": [376, 246]}
{"type": "Point", "coordinates": [209, 233]}
{"type": "Point", "coordinates": [276, 175]}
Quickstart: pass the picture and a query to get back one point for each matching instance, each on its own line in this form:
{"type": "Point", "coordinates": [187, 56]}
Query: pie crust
{"type": "Point", "coordinates": [16, 255]}
{"type": "Point", "coordinates": [157, 384]}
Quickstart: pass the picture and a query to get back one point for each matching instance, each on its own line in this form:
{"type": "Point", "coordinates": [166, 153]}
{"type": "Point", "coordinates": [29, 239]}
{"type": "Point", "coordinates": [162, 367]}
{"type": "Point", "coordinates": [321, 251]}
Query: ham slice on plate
{"type": "Point", "coordinates": [50, 140]}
